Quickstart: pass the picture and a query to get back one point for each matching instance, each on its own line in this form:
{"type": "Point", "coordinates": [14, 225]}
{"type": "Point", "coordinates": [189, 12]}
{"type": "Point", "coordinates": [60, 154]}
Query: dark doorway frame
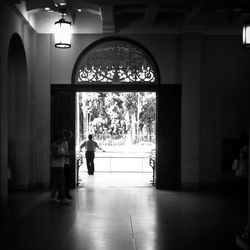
{"type": "Point", "coordinates": [167, 170]}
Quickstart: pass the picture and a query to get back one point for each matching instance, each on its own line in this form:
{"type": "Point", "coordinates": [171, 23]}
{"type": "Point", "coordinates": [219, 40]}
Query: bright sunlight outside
{"type": "Point", "coordinates": [123, 124]}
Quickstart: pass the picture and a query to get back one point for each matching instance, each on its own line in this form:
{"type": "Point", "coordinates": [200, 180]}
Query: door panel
{"type": "Point", "coordinates": [168, 138]}
{"type": "Point", "coordinates": [63, 117]}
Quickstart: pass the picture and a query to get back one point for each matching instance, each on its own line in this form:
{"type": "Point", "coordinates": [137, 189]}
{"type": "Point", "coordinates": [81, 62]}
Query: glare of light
{"type": "Point", "coordinates": [62, 34]}
{"type": "Point", "coordinates": [246, 35]}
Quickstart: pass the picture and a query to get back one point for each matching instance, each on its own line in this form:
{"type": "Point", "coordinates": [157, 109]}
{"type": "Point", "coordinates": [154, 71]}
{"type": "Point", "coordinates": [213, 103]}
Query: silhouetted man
{"type": "Point", "coordinates": [90, 147]}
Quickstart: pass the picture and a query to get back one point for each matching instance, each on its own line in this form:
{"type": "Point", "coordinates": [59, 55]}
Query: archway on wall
{"type": "Point", "coordinates": [117, 65]}
{"type": "Point", "coordinates": [118, 61]}
{"type": "Point", "coordinates": [18, 143]}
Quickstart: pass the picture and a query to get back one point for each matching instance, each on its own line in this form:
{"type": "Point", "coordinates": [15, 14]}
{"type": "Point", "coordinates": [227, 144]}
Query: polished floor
{"type": "Point", "coordinates": [123, 215]}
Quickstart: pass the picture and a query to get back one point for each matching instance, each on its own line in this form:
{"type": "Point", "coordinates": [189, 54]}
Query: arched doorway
{"type": "Point", "coordinates": [117, 119]}
{"type": "Point", "coordinates": [18, 143]}
{"type": "Point", "coordinates": [121, 65]}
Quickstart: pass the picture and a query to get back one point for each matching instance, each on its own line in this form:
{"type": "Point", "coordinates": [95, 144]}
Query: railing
{"type": "Point", "coordinates": [118, 161]}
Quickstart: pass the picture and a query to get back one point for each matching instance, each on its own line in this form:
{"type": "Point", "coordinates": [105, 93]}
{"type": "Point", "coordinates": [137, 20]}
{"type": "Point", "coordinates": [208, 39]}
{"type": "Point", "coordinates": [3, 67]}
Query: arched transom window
{"type": "Point", "coordinates": [115, 61]}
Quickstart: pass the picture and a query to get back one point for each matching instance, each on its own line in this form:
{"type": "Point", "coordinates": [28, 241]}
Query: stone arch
{"type": "Point", "coordinates": [18, 143]}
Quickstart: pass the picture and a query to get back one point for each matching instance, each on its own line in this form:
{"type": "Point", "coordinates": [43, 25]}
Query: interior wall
{"type": "Point", "coordinates": [1, 188]}
{"type": "Point", "coordinates": [42, 109]}
{"type": "Point", "coordinates": [225, 101]}
{"type": "Point", "coordinates": [190, 127]}
{"type": "Point", "coordinates": [3, 127]}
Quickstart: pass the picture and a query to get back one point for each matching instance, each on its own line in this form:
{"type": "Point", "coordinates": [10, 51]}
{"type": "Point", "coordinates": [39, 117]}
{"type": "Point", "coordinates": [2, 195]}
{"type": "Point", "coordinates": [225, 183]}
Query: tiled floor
{"type": "Point", "coordinates": [116, 216]}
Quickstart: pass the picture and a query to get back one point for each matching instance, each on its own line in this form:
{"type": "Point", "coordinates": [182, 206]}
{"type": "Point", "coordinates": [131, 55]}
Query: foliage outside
{"type": "Point", "coordinates": [118, 118]}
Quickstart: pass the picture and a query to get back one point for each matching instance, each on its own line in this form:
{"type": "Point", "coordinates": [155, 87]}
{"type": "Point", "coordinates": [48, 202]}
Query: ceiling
{"type": "Point", "coordinates": [137, 16]}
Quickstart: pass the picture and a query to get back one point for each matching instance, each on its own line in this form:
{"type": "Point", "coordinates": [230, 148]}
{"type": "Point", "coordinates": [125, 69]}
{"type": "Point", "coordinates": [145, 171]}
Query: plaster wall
{"type": "Point", "coordinates": [225, 101]}
{"type": "Point", "coordinates": [190, 116]}
{"type": "Point", "coordinates": [42, 109]}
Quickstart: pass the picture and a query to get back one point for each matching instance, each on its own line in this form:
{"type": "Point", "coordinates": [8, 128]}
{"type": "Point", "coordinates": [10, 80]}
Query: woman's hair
{"type": "Point", "coordinates": [68, 132]}
{"type": "Point", "coordinates": [58, 136]}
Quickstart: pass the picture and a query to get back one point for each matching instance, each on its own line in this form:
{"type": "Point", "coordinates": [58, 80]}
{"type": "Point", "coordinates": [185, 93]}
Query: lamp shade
{"type": "Point", "coordinates": [246, 35]}
{"type": "Point", "coordinates": [62, 34]}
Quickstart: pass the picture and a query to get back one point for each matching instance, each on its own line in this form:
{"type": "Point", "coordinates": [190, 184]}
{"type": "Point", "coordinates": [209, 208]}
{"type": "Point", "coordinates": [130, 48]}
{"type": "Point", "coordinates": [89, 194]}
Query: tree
{"type": "Point", "coordinates": [117, 114]}
{"type": "Point", "coordinates": [131, 109]}
{"type": "Point", "coordinates": [148, 115]}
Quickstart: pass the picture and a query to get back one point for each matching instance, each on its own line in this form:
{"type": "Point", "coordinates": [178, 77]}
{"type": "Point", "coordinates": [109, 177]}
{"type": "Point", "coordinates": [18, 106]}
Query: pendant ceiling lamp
{"type": "Point", "coordinates": [246, 35]}
{"type": "Point", "coordinates": [62, 32]}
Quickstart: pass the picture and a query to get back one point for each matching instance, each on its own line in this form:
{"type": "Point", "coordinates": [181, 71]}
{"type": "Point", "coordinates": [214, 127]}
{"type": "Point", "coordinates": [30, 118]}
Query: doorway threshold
{"type": "Point", "coordinates": [115, 179]}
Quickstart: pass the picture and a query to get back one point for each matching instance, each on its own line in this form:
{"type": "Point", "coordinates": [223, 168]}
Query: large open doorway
{"type": "Point", "coordinates": [167, 156]}
{"type": "Point", "coordinates": [112, 65]}
{"type": "Point", "coordinates": [124, 124]}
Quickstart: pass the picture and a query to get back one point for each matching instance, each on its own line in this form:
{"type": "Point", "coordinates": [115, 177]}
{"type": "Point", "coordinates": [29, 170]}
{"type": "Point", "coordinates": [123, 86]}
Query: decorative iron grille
{"type": "Point", "coordinates": [116, 62]}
